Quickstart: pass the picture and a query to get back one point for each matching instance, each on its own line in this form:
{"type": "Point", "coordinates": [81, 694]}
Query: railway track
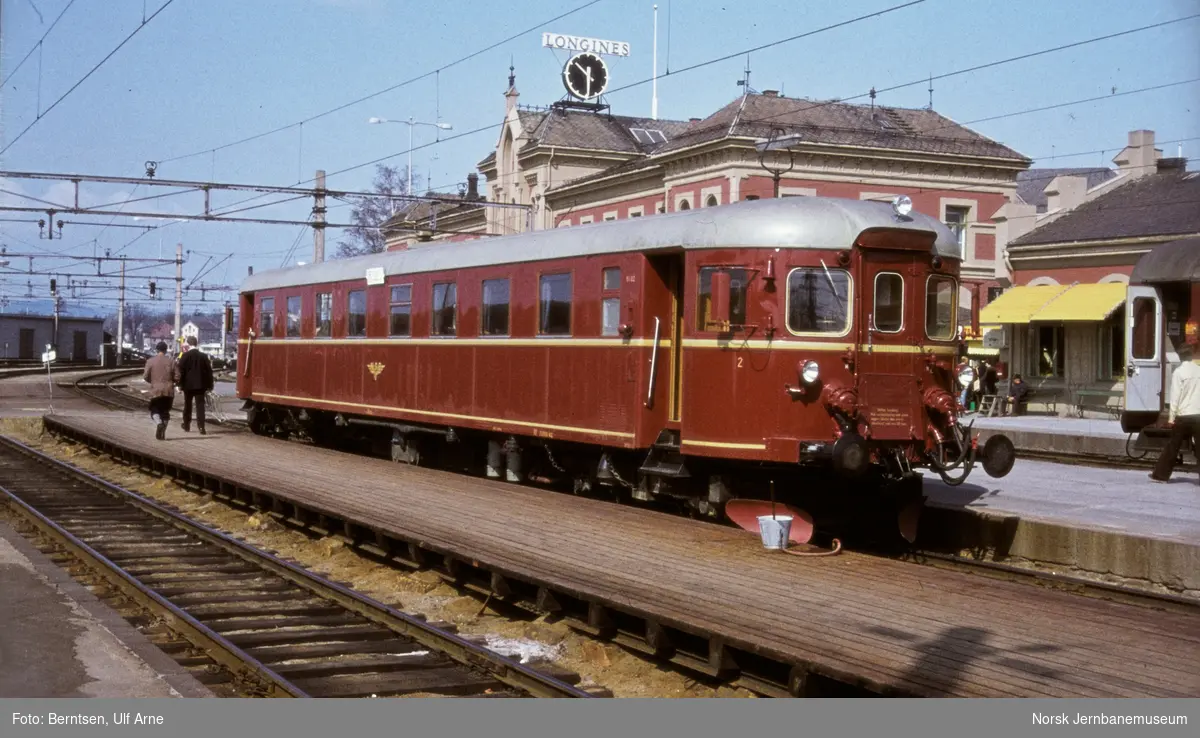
{"type": "Point", "coordinates": [243, 617]}
{"type": "Point", "coordinates": [105, 389]}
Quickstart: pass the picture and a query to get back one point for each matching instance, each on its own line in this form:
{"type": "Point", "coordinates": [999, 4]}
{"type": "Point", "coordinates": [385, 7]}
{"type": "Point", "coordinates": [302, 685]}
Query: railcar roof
{"type": "Point", "coordinates": [792, 223]}
{"type": "Point", "coordinates": [1174, 261]}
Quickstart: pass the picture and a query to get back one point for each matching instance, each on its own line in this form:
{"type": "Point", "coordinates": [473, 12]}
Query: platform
{"type": "Point", "coordinates": [892, 626]}
{"type": "Point", "coordinates": [58, 640]}
{"type": "Point", "coordinates": [1047, 434]}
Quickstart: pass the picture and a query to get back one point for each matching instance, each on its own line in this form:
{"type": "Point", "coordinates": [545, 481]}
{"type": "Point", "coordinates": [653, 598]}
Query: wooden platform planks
{"type": "Point", "coordinates": [890, 624]}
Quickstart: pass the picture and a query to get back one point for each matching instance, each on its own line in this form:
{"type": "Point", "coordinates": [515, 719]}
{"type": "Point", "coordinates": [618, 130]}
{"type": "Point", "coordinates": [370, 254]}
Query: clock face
{"type": "Point", "coordinates": [585, 76]}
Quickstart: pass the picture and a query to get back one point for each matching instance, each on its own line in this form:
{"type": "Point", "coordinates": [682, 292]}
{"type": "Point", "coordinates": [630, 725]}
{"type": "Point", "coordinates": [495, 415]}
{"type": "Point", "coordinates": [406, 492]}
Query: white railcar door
{"type": "Point", "coordinates": [1144, 359]}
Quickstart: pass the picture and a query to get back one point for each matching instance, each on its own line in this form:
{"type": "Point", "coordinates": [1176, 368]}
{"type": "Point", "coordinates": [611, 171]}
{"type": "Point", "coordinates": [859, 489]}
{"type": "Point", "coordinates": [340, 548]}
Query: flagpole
{"type": "Point", "coordinates": [654, 76]}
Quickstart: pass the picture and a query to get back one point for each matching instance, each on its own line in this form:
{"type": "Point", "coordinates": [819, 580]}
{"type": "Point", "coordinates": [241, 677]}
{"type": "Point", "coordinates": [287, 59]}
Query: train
{"type": "Point", "coordinates": [1163, 309]}
{"type": "Point", "coordinates": [800, 347]}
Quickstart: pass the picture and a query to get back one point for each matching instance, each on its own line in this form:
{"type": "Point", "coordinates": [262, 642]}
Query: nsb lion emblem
{"type": "Point", "coordinates": [376, 369]}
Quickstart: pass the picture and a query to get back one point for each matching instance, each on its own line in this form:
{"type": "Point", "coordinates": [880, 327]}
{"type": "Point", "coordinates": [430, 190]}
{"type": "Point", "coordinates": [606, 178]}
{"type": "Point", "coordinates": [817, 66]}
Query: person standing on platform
{"type": "Point", "coordinates": [1185, 413]}
{"type": "Point", "coordinates": [162, 374]}
{"type": "Point", "coordinates": [196, 380]}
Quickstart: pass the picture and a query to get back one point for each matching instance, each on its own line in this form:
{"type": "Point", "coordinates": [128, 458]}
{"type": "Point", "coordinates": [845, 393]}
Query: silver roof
{"type": "Point", "coordinates": [794, 222]}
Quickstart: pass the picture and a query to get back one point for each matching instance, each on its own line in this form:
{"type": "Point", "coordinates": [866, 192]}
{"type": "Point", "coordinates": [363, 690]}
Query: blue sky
{"type": "Point", "coordinates": [205, 73]}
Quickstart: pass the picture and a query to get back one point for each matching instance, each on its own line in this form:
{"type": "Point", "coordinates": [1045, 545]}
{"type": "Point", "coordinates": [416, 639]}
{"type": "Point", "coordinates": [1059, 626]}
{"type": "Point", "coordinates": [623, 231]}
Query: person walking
{"type": "Point", "coordinates": [162, 374]}
{"type": "Point", "coordinates": [1184, 419]}
{"type": "Point", "coordinates": [196, 381]}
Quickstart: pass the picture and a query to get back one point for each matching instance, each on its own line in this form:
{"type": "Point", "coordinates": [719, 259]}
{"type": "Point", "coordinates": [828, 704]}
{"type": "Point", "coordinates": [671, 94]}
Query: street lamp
{"type": "Point", "coordinates": [411, 124]}
{"type": "Point", "coordinates": [777, 142]}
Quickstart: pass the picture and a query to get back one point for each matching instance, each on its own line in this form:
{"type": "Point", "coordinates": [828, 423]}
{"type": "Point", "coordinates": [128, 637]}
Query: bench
{"type": "Point", "coordinates": [991, 405]}
{"type": "Point", "coordinates": [1096, 399]}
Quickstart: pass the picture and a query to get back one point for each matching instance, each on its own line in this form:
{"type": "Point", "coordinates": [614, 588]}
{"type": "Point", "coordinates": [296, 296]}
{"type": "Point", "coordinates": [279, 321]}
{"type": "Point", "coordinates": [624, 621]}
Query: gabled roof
{"type": "Point", "coordinates": [1031, 183]}
{"type": "Point", "coordinates": [1164, 203]}
{"type": "Point", "coordinates": [829, 122]}
{"type": "Point", "coordinates": [579, 129]}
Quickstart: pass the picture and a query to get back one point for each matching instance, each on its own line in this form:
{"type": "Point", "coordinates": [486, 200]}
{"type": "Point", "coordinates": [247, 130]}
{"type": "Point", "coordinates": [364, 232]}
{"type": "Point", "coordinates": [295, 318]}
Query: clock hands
{"type": "Point", "coordinates": [588, 76]}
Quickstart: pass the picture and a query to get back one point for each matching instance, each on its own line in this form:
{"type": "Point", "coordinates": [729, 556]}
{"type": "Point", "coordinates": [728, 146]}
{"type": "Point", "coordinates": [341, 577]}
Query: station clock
{"type": "Point", "coordinates": [585, 76]}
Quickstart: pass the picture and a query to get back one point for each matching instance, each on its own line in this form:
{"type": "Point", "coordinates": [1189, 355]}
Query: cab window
{"type": "Point", "coordinates": [818, 301]}
{"type": "Point", "coordinates": [888, 315]}
{"type": "Point", "coordinates": [939, 308]}
{"type": "Point", "coordinates": [266, 310]}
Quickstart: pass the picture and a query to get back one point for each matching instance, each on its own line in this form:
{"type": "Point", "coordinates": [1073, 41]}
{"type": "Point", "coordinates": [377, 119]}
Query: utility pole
{"type": "Point", "coordinates": [121, 316]}
{"type": "Point", "coordinates": [178, 291]}
{"type": "Point", "coordinates": [319, 219]}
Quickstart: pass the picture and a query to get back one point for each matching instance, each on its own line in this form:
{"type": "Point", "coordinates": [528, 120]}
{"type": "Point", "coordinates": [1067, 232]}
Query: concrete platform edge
{"type": "Point", "coordinates": [1156, 564]}
{"type": "Point", "coordinates": [172, 673]}
{"type": "Point", "coordinates": [1060, 443]}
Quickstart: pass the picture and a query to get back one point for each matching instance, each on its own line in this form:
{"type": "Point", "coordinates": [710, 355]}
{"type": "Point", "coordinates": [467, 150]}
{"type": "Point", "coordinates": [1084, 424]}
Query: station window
{"type": "Point", "coordinates": [554, 305]}
{"type": "Point", "coordinates": [293, 317]}
{"type": "Point", "coordinates": [1049, 347]}
{"type": "Point", "coordinates": [610, 303]}
{"type": "Point", "coordinates": [266, 318]}
{"type": "Point", "coordinates": [494, 318]}
{"type": "Point", "coordinates": [940, 318]}
{"type": "Point", "coordinates": [818, 301]}
{"type": "Point", "coordinates": [445, 309]}
{"type": "Point", "coordinates": [1145, 328]}
{"type": "Point", "coordinates": [400, 311]}
{"type": "Point", "coordinates": [356, 313]}
{"type": "Point", "coordinates": [888, 316]}
{"type": "Point", "coordinates": [957, 218]}
{"type": "Point", "coordinates": [324, 327]}
{"type": "Point", "coordinates": [737, 297]}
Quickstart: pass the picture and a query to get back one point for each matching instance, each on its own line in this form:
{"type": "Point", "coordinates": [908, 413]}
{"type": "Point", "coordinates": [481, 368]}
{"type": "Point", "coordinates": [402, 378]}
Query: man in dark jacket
{"type": "Point", "coordinates": [162, 374]}
{"type": "Point", "coordinates": [1017, 392]}
{"type": "Point", "coordinates": [196, 380]}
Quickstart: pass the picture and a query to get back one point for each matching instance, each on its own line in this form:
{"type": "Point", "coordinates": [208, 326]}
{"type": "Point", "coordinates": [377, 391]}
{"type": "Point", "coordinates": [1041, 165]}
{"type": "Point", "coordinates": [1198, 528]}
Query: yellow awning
{"type": "Point", "coordinates": [1086, 302]}
{"type": "Point", "coordinates": [1019, 304]}
{"type": "Point", "coordinates": [979, 350]}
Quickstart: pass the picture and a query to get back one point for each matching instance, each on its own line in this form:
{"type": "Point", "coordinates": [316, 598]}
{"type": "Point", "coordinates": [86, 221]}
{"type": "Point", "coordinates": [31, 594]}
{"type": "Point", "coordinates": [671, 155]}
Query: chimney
{"type": "Point", "coordinates": [1139, 157]}
{"type": "Point", "coordinates": [1065, 193]}
{"type": "Point", "coordinates": [770, 93]}
{"type": "Point", "coordinates": [472, 186]}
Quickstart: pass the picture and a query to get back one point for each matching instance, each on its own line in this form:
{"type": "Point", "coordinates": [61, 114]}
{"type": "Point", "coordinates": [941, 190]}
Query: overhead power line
{"type": "Point", "coordinates": [35, 46]}
{"type": "Point", "coordinates": [343, 106]}
{"type": "Point", "coordinates": [84, 78]}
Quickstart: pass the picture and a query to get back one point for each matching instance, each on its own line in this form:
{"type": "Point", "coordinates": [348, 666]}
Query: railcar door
{"type": "Point", "coordinates": [1143, 337]}
{"type": "Point", "coordinates": [889, 332]}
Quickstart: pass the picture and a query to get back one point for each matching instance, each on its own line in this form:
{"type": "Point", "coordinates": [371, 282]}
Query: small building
{"type": "Point", "coordinates": [25, 337]}
{"type": "Point", "coordinates": [1062, 324]}
{"type": "Point", "coordinates": [204, 328]}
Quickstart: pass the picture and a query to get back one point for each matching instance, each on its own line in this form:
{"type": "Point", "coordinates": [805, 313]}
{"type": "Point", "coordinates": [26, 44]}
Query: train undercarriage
{"type": "Point", "coordinates": [847, 490]}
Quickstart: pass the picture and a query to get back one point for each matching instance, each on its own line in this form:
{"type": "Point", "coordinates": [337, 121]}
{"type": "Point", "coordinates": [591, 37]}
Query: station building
{"type": "Point", "coordinates": [25, 336]}
{"type": "Point", "coordinates": [571, 166]}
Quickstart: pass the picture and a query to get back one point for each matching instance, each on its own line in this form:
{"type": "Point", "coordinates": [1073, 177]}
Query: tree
{"type": "Point", "coordinates": [369, 213]}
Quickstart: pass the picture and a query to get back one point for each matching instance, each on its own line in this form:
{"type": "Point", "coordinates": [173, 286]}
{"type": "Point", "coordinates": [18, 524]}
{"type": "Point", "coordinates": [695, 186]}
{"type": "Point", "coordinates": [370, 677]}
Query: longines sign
{"type": "Point", "coordinates": [580, 43]}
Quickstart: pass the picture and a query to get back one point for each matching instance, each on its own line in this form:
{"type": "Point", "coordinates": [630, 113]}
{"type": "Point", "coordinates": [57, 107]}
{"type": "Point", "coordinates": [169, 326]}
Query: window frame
{"type": "Point", "coordinates": [961, 234]}
{"type": "Point", "coordinates": [263, 311]}
{"type": "Point", "coordinates": [875, 303]}
{"type": "Point", "coordinates": [610, 293]}
{"type": "Point", "coordinates": [787, 304]}
{"type": "Point", "coordinates": [287, 313]}
{"type": "Point", "coordinates": [317, 314]}
{"type": "Point", "coordinates": [350, 313]}
{"type": "Point", "coordinates": [954, 288]}
{"type": "Point", "coordinates": [483, 308]}
{"type": "Point", "coordinates": [1132, 316]}
{"type": "Point", "coordinates": [434, 311]}
{"type": "Point", "coordinates": [1108, 330]}
{"type": "Point", "coordinates": [1059, 331]}
{"type": "Point", "coordinates": [393, 304]}
{"type": "Point", "coordinates": [570, 275]}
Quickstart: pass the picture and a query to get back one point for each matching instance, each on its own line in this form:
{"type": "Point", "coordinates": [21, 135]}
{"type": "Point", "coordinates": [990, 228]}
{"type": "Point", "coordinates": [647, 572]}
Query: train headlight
{"type": "Point", "coordinates": [966, 375]}
{"type": "Point", "coordinates": [902, 205]}
{"type": "Point", "coordinates": [810, 371]}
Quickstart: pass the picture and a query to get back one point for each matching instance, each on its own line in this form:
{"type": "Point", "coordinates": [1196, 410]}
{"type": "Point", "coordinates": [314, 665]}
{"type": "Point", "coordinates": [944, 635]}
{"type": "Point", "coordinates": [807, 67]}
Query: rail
{"type": "Point", "coordinates": [271, 623]}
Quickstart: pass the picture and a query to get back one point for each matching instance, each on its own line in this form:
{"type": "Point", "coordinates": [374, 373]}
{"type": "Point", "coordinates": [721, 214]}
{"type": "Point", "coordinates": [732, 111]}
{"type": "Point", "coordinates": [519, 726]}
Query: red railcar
{"type": "Point", "coordinates": [691, 356]}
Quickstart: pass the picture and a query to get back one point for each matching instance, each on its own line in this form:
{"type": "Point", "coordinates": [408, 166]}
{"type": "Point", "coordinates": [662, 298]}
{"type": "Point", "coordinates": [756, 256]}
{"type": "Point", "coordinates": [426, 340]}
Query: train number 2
{"type": "Point", "coordinates": [740, 362]}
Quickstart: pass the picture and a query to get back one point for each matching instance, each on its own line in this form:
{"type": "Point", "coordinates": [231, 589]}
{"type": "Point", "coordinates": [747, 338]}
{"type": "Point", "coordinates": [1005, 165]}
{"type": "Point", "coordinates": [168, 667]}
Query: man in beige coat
{"type": "Point", "coordinates": [162, 374]}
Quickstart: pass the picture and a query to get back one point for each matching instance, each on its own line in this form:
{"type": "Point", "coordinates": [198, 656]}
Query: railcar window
{"type": "Point", "coordinates": [356, 313]}
{"type": "Point", "coordinates": [1145, 329]}
{"type": "Point", "coordinates": [610, 304]}
{"type": "Point", "coordinates": [939, 308]}
{"type": "Point", "coordinates": [554, 309]}
{"type": "Point", "coordinates": [445, 309]}
{"type": "Point", "coordinates": [293, 317]}
{"type": "Point", "coordinates": [612, 278]}
{"type": "Point", "coordinates": [266, 318]}
{"type": "Point", "coordinates": [737, 297]}
{"type": "Point", "coordinates": [400, 311]}
{"type": "Point", "coordinates": [495, 308]}
{"type": "Point", "coordinates": [889, 302]}
{"type": "Point", "coordinates": [819, 301]}
{"type": "Point", "coordinates": [324, 327]}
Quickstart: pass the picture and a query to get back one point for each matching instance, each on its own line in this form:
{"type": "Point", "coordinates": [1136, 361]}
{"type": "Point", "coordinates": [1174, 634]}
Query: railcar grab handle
{"type": "Point", "coordinates": [653, 363]}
